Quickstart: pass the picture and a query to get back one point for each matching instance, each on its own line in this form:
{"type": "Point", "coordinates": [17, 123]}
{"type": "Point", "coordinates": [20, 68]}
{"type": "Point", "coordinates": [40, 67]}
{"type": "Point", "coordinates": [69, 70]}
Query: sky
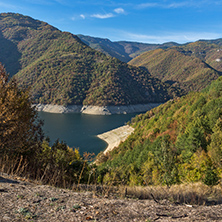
{"type": "Point", "coordinates": [155, 21]}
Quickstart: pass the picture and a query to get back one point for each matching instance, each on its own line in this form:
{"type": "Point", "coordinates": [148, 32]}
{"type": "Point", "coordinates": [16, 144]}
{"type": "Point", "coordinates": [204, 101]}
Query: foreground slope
{"type": "Point", "coordinates": [177, 142]}
{"type": "Point", "coordinates": [60, 69]}
{"type": "Point", "coordinates": [34, 202]}
{"type": "Point", "coordinates": [191, 67]}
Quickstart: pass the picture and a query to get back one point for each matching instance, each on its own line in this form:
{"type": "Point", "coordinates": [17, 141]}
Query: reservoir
{"type": "Point", "coordinates": [79, 130]}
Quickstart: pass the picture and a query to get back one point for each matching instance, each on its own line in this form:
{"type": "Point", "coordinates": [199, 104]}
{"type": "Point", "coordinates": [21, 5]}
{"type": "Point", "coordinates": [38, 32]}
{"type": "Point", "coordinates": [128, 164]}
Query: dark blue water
{"type": "Point", "coordinates": [80, 130]}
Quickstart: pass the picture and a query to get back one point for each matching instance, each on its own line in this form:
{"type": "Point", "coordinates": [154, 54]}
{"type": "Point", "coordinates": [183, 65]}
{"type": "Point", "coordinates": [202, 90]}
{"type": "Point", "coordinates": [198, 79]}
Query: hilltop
{"type": "Point", "coordinates": [60, 69]}
{"type": "Point", "coordinates": [191, 67]}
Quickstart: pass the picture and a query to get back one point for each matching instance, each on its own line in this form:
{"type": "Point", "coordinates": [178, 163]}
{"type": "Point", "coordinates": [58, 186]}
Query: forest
{"type": "Point", "coordinates": [176, 142]}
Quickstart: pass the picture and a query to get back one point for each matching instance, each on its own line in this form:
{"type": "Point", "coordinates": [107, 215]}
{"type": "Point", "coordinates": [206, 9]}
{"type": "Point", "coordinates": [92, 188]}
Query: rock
{"type": "Point", "coordinates": [95, 110]}
{"type": "Point", "coordinates": [115, 137]}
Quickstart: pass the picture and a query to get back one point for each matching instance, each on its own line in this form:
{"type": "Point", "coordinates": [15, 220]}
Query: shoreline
{"type": "Point", "coordinates": [114, 137]}
{"type": "Point", "coordinates": [95, 110]}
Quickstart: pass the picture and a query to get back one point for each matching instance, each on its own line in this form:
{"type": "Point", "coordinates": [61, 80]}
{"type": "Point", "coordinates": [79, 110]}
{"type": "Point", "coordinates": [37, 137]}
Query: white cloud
{"type": "Point", "coordinates": [77, 17]}
{"type": "Point", "coordinates": [109, 15]}
{"type": "Point", "coordinates": [177, 5]}
{"type": "Point", "coordinates": [119, 10]}
{"type": "Point", "coordinates": [82, 16]}
{"type": "Point", "coordinates": [103, 16]}
{"type": "Point", "coordinates": [172, 4]}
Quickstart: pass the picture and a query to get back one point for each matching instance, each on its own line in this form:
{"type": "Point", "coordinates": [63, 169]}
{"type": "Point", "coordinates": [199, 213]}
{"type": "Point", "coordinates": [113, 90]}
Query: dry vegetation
{"type": "Point", "coordinates": [24, 201]}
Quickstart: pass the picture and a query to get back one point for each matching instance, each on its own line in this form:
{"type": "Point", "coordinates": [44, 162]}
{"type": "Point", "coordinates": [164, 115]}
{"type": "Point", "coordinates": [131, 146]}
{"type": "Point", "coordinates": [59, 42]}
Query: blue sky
{"type": "Point", "coordinates": [154, 21]}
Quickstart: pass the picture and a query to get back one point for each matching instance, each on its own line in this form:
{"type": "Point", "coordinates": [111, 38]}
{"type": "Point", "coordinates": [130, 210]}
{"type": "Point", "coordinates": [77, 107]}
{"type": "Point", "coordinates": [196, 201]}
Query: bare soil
{"type": "Point", "coordinates": [25, 201]}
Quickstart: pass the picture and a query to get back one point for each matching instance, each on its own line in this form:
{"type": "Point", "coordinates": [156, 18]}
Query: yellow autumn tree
{"type": "Point", "coordinates": [20, 128]}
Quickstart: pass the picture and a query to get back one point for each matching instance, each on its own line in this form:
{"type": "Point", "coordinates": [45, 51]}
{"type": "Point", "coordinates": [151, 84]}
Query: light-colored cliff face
{"type": "Point", "coordinates": [96, 110]}
{"type": "Point", "coordinates": [58, 109]}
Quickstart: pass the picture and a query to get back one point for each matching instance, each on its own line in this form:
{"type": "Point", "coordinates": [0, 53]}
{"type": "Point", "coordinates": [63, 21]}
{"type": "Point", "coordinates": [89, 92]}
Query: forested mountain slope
{"type": "Point", "coordinates": [191, 67]}
{"type": "Point", "coordinates": [178, 142]}
{"type": "Point", "coordinates": [209, 51]}
{"type": "Point", "coordinates": [60, 69]}
{"type": "Point", "coordinates": [122, 50]}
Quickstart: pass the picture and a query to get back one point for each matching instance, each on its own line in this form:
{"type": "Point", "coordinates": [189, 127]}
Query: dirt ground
{"type": "Point", "coordinates": [25, 201]}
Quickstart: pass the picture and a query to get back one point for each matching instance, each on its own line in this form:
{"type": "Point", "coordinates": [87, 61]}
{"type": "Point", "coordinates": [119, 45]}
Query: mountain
{"type": "Point", "coordinates": [191, 67]}
{"type": "Point", "coordinates": [107, 47]}
{"type": "Point", "coordinates": [176, 142]}
{"type": "Point", "coordinates": [126, 51]}
{"type": "Point", "coordinates": [210, 51]}
{"type": "Point", "coordinates": [122, 50]}
{"type": "Point", "coordinates": [213, 41]}
{"type": "Point", "coordinates": [59, 68]}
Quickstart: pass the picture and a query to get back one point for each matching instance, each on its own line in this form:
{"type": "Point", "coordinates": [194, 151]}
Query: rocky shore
{"type": "Point", "coordinates": [114, 137]}
{"type": "Point", "coordinates": [95, 110]}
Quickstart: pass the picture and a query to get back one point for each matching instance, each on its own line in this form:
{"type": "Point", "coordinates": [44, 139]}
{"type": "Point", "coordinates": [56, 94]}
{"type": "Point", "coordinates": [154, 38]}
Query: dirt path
{"type": "Point", "coordinates": [23, 201]}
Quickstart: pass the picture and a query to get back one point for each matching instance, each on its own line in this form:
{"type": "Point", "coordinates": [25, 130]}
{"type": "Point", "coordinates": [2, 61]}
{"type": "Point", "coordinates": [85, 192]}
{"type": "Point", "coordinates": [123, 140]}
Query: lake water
{"type": "Point", "coordinates": [80, 130]}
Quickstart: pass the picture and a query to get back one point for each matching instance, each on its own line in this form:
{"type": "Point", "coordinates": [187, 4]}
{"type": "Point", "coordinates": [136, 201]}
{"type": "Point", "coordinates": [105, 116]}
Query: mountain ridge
{"type": "Point", "coordinates": [126, 50]}
{"type": "Point", "coordinates": [122, 50]}
{"type": "Point", "coordinates": [191, 67]}
{"type": "Point", "coordinates": [60, 69]}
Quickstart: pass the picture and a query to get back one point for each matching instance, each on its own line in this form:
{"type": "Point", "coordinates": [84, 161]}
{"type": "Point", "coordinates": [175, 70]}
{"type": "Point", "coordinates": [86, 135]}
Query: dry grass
{"type": "Point", "coordinates": [24, 201]}
{"type": "Point", "coordinates": [34, 171]}
{"type": "Point", "coordinates": [193, 193]}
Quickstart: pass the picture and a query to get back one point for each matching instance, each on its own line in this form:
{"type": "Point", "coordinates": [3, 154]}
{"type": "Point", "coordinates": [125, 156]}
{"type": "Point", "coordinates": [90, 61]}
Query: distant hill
{"type": "Point", "coordinates": [126, 51]}
{"type": "Point", "coordinates": [210, 51]}
{"type": "Point", "coordinates": [176, 142]}
{"type": "Point", "coordinates": [106, 46]}
{"type": "Point", "coordinates": [122, 50]}
{"type": "Point", "coordinates": [191, 67]}
{"type": "Point", "coordinates": [213, 41]}
{"type": "Point", "coordinates": [59, 68]}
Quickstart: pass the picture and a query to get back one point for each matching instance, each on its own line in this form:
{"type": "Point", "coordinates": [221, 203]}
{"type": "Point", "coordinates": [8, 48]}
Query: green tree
{"type": "Point", "coordinates": [168, 162]}
{"type": "Point", "coordinates": [215, 147]}
{"type": "Point", "coordinates": [211, 177]}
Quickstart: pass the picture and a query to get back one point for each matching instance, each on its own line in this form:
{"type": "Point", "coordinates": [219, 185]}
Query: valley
{"type": "Point", "coordinates": [157, 109]}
